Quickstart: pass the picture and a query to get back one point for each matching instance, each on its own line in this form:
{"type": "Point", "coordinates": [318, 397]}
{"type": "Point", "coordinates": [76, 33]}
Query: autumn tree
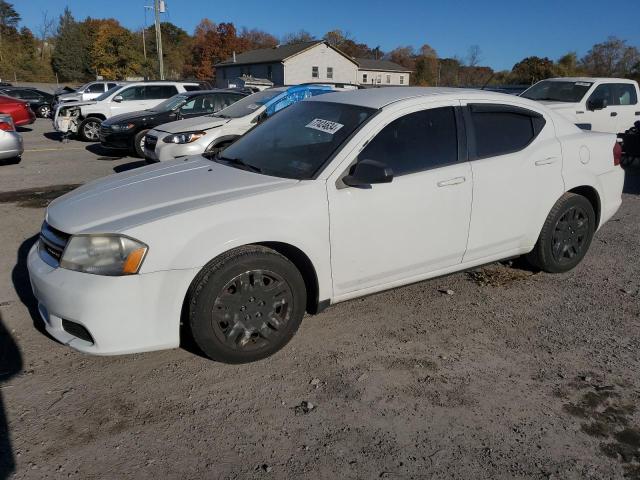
{"type": "Point", "coordinates": [254, 39]}
{"type": "Point", "coordinates": [426, 66]}
{"type": "Point", "coordinates": [300, 36]}
{"type": "Point", "coordinates": [533, 69]}
{"type": "Point", "coordinates": [211, 44]}
{"type": "Point", "coordinates": [612, 58]}
{"type": "Point", "coordinates": [567, 65]}
{"type": "Point", "coordinates": [114, 53]}
{"type": "Point", "coordinates": [404, 56]}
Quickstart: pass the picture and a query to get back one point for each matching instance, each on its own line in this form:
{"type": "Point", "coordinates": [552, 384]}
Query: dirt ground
{"type": "Point", "coordinates": [512, 375]}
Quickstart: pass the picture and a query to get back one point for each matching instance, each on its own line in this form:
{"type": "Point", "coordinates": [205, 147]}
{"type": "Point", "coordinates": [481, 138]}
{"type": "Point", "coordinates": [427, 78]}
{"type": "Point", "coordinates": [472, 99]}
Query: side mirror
{"type": "Point", "coordinates": [118, 98]}
{"type": "Point", "coordinates": [368, 172]}
{"type": "Point", "coordinates": [596, 104]}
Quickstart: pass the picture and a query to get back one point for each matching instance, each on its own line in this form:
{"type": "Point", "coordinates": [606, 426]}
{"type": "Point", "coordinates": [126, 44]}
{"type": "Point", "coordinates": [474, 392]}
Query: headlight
{"type": "Point", "coordinates": [122, 127]}
{"type": "Point", "coordinates": [184, 137]}
{"type": "Point", "coordinates": [112, 255]}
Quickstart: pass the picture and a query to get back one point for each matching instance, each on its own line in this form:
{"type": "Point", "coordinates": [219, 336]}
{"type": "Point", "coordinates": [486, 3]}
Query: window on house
{"type": "Point", "coordinates": [364, 78]}
{"type": "Point", "coordinates": [388, 78]}
{"type": "Point", "coordinates": [269, 72]}
{"type": "Point", "coordinates": [329, 72]}
{"type": "Point", "coordinates": [379, 79]}
{"type": "Point", "coordinates": [315, 73]}
{"type": "Point", "coordinates": [401, 79]}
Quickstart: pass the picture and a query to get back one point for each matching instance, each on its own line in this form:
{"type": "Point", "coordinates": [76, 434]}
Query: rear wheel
{"type": "Point", "coordinates": [566, 235]}
{"type": "Point", "coordinates": [89, 129]}
{"type": "Point", "coordinates": [138, 143]}
{"type": "Point", "coordinates": [246, 305]}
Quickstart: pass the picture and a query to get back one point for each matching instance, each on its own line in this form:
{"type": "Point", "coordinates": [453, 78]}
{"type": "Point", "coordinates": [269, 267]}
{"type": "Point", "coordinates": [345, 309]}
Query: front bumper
{"type": "Point", "coordinates": [11, 145]}
{"type": "Point", "coordinates": [128, 314]}
{"type": "Point", "coordinates": [120, 141]}
{"type": "Point", "coordinates": [162, 152]}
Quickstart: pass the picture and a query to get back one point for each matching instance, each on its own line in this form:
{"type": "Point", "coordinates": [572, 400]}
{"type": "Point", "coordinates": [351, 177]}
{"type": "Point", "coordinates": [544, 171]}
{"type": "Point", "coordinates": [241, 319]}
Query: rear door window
{"type": "Point", "coordinates": [95, 88]}
{"type": "Point", "coordinates": [191, 88]}
{"type": "Point", "coordinates": [501, 129]}
{"type": "Point", "coordinates": [159, 92]}
{"type": "Point", "coordinates": [625, 94]}
{"type": "Point", "coordinates": [416, 142]}
{"type": "Point", "coordinates": [133, 93]}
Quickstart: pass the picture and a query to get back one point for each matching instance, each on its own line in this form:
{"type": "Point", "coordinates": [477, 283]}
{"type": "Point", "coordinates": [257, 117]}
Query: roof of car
{"type": "Point", "coordinates": [381, 97]}
{"type": "Point", "coordinates": [590, 79]}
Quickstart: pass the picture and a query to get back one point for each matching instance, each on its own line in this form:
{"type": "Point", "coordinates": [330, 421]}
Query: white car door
{"type": "Point", "coordinates": [418, 223]}
{"type": "Point", "coordinates": [516, 160]}
{"type": "Point", "coordinates": [602, 119]}
{"type": "Point", "coordinates": [93, 91]}
{"type": "Point", "coordinates": [130, 99]}
{"type": "Point", "coordinates": [626, 100]}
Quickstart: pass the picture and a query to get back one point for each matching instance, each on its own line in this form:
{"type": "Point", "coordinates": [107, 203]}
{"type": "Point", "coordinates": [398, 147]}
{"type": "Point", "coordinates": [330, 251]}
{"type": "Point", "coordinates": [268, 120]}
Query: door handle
{"type": "Point", "coordinates": [546, 161]}
{"type": "Point", "coordinates": [614, 114]}
{"type": "Point", "coordinates": [451, 181]}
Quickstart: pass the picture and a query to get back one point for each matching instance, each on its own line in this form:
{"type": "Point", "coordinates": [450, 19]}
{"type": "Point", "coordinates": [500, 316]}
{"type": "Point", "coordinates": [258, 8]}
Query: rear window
{"type": "Point", "coordinates": [500, 130]}
{"type": "Point", "coordinates": [191, 88]}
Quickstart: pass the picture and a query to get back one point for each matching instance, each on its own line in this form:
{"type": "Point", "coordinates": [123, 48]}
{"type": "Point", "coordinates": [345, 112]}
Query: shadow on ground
{"type": "Point", "coordinates": [10, 161]}
{"type": "Point", "coordinates": [10, 365]}
{"type": "Point", "coordinates": [22, 285]}
{"type": "Point", "coordinates": [105, 153]}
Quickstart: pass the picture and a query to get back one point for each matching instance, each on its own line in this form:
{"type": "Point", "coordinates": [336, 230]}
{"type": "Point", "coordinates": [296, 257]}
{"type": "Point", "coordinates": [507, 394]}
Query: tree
{"type": "Point", "coordinates": [533, 69]}
{"type": "Point", "coordinates": [114, 52]}
{"type": "Point", "coordinates": [211, 44]}
{"type": "Point", "coordinates": [426, 66]}
{"type": "Point", "coordinates": [70, 56]}
{"type": "Point", "coordinates": [611, 58]}
{"type": "Point", "coordinates": [474, 56]}
{"type": "Point", "coordinates": [176, 49]}
{"type": "Point", "coordinates": [45, 30]}
{"type": "Point", "coordinates": [254, 39]}
{"type": "Point", "coordinates": [567, 65]}
{"type": "Point", "coordinates": [300, 36]}
{"type": "Point", "coordinates": [403, 56]}
{"type": "Point", "coordinates": [9, 18]}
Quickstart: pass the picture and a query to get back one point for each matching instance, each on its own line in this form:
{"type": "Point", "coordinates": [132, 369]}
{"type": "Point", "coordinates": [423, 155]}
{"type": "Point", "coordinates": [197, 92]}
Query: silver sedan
{"type": "Point", "coordinates": [11, 145]}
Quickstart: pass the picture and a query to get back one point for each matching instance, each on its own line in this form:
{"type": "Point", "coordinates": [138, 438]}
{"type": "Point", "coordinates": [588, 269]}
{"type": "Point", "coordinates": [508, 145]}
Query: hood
{"type": "Point", "coordinates": [560, 105]}
{"type": "Point", "coordinates": [191, 124]}
{"type": "Point", "coordinates": [118, 202]}
{"type": "Point", "coordinates": [76, 104]}
{"type": "Point", "coordinates": [69, 96]}
{"type": "Point", "coordinates": [133, 116]}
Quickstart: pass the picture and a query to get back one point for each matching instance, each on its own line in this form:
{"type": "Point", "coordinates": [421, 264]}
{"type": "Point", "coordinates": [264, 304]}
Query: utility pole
{"type": "Point", "coordinates": [158, 5]}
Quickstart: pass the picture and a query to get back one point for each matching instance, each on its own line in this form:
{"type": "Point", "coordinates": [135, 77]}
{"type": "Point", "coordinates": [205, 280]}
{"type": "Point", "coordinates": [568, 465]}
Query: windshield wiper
{"type": "Point", "coordinates": [236, 162]}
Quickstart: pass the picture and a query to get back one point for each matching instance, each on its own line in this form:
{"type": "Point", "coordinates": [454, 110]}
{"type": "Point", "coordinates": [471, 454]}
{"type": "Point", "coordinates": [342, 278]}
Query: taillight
{"type": "Point", "coordinates": [7, 126]}
{"type": "Point", "coordinates": [617, 154]}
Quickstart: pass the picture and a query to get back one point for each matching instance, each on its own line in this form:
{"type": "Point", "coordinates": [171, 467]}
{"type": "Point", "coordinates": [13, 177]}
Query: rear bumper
{"type": "Point", "coordinates": [11, 145]}
{"type": "Point", "coordinates": [611, 185]}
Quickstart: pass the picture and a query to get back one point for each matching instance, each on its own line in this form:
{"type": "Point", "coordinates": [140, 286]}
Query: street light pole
{"type": "Point", "coordinates": [156, 7]}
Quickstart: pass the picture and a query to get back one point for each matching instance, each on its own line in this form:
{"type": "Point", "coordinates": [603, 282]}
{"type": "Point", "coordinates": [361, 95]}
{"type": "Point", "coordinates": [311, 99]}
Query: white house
{"type": "Point", "coordinates": [314, 61]}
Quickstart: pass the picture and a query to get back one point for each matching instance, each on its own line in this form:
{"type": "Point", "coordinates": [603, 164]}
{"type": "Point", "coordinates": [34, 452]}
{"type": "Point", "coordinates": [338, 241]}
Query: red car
{"type": "Point", "coordinates": [19, 110]}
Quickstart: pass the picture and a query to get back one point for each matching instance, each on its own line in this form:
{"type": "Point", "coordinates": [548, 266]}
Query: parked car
{"type": "Point", "coordinates": [127, 131]}
{"type": "Point", "coordinates": [333, 198]}
{"type": "Point", "coordinates": [88, 91]}
{"type": "Point", "coordinates": [84, 118]}
{"type": "Point", "coordinates": [215, 132]}
{"type": "Point", "coordinates": [18, 110]}
{"type": "Point", "coordinates": [40, 102]}
{"type": "Point", "coordinates": [11, 145]}
{"type": "Point", "coordinates": [600, 104]}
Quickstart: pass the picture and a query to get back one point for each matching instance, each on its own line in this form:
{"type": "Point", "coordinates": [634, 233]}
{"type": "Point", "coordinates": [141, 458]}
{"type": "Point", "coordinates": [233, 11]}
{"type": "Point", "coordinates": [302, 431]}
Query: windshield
{"type": "Point", "coordinates": [109, 92]}
{"type": "Point", "coordinates": [296, 142]}
{"type": "Point", "coordinates": [557, 91]}
{"type": "Point", "coordinates": [169, 104]}
{"type": "Point", "coordinates": [248, 105]}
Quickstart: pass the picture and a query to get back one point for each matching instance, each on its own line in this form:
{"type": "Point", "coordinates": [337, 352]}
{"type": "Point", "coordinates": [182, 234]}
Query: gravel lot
{"type": "Point", "coordinates": [514, 374]}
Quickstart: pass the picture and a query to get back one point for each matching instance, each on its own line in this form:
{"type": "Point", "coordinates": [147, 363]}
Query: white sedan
{"type": "Point", "coordinates": [334, 198]}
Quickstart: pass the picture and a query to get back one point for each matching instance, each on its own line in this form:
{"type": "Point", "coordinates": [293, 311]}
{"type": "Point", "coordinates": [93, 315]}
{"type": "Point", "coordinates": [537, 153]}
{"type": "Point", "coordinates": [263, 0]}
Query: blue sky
{"type": "Point", "coordinates": [506, 31]}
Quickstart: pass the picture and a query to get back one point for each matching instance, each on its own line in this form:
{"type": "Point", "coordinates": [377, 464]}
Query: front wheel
{"type": "Point", "coordinates": [246, 305]}
{"type": "Point", "coordinates": [89, 129]}
{"type": "Point", "coordinates": [44, 111]}
{"type": "Point", "coordinates": [138, 143]}
{"type": "Point", "coordinates": [566, 235]}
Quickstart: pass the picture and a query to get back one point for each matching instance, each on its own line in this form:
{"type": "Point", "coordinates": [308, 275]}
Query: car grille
{"type": "Point", "coordinates": [104, 131]}
{"type": "Point", "coordinates": [150, 142]}
{"type": "Point", "coordinates": [52, 243]}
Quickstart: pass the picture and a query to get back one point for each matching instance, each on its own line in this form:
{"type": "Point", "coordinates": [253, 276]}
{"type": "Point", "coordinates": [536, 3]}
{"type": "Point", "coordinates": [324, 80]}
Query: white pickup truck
{"type": "Point", "coordinates": [600, 104]}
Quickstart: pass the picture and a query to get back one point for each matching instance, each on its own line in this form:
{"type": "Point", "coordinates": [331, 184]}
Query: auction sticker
{"type": "Point", "coordinates": [326, 126]}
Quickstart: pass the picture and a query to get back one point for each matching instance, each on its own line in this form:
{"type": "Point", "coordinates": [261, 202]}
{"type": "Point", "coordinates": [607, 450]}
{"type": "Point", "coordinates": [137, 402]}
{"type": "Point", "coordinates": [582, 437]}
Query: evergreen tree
{"type": "Point", "coordinates": [70, 57]}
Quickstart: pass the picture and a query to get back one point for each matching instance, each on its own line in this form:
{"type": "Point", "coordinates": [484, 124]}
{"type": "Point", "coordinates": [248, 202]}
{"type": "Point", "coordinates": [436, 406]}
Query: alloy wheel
{"type": "Point", "coordinates": [91, 130]}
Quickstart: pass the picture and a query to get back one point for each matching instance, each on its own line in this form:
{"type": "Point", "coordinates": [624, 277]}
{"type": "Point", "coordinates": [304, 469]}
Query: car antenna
{"type": "Point", "coordinates": [487, 82]}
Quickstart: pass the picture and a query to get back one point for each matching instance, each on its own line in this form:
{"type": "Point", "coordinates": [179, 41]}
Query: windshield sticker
{"type": "Point", "coordinates": [583, 84]}
{"type": "Point", "coordinates": [326, 126]}
{"type": "Point", "coordinates": [253, 106]}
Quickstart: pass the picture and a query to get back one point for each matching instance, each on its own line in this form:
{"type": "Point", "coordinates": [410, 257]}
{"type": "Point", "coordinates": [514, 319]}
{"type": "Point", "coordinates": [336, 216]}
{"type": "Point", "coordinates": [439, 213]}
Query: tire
{"type": "Point", "coordinates": [138, 143]}
{"type": "Point", "coordinates": [246, 305]}
{"type": "Point", "coordinates": [44, 111]}
{"type": "Point", "coordinates": [89, 129]}
{"type": "Point", "coordinates": [566, 235]}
